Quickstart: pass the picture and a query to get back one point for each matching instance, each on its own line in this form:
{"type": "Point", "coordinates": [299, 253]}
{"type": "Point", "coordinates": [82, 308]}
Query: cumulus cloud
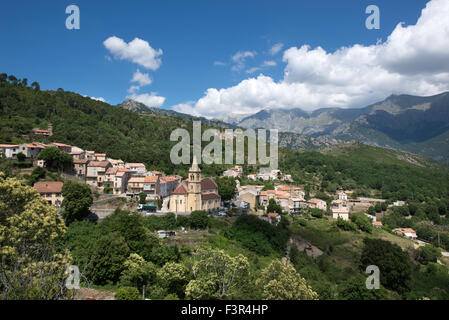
{"type": "Point", "coordinates": [99, 99]}
{"type": "Point", "coordinates": [414, 60]}
{"type": "Point", "coordinates": [187, 107]}
{"type": "Point", "coordinates": [276, 48]}
{"type": "Point", "coordinates": [143, 79]}
{"type": "Point", "coordinates": [150, 100]}
{"type": "Point", "coordinates": [94, 98]}
{"type": "Point", "coordinates": [138, 51]}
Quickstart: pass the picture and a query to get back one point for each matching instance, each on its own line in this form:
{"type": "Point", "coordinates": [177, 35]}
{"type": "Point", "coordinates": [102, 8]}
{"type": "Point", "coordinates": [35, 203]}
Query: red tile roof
{"type": "Point", "coordinates": [98, 164]}
{"type": "Point", "coordinates": [80, 161]}
{"type": "Point", "coordinates": [48, 187]}
{"type": "Point", "coordinates": [206, 184]}
{"type": "Point", "coordinates": [135, 165]}
{"type": "Point", "coordinates": [136, 180]}
{"type": "Point", "coordinates": [8, 145]}
{"type": "Point", "coordinates": [60, 144]}
{"type": "Point", "coordinates": [151, 179]}
{"type": "Point", "coordinates": [180, 190]}
{"type": "Point", "coordinates": [210, 196]}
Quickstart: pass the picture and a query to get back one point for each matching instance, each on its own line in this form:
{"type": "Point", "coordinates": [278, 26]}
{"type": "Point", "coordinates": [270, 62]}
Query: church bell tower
{"type": "Point", "coordinates": [194, 192]}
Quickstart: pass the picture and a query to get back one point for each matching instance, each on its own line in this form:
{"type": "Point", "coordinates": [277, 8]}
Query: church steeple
{"type": "Point", "coordinates": [195, 177]}
{"type": "Point", "coordinates": [195, 167]}
{"type": "Point", "coordinates": [194, 192]}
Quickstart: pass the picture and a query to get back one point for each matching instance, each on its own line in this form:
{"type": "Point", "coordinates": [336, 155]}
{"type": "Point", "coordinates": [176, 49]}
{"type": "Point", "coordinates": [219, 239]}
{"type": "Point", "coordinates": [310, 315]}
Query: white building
{"type": "Point", "coordinates": [137, 169]}
{"type": "Point", "coordinates": [9, 150]}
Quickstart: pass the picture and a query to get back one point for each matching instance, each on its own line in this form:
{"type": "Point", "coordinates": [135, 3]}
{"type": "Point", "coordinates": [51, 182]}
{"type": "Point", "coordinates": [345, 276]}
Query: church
{"type": "Point", "coordinates": [195, 193]}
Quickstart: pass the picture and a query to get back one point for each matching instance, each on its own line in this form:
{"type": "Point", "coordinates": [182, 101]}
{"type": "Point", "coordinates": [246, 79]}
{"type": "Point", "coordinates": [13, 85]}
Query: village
{"type": "Point", "coordinates": [158, 193]}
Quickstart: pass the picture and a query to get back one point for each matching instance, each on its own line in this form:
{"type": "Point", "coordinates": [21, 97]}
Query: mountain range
{"type": "Point", "coordinates": [141, 108]}
{"type": "Point", "coordinates": [402, 122]}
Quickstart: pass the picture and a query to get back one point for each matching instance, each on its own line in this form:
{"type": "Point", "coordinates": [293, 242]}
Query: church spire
{"type": "Point", "coordinates": [195, 167]}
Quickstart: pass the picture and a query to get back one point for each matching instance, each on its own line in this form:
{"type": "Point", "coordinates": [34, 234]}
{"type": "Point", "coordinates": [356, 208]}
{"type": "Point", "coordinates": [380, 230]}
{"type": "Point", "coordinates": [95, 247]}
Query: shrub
{"type": "Point", "coordinates": [317, 213]}
{"type": "Point", "coordinates": [127, 293]}
{"type": "Point", "coordinates": [427, 254]}
{"type": "Point", "coordinates": [199, 220]}
{"type": "Point", "coordinates": [362, 221]}
{"type": "Point", "coordinates": [394, 264]}
{"type": "Point", "coordinates": [346, 225]}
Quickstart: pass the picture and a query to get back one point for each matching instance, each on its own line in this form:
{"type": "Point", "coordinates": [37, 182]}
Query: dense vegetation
{"type": "Point", "coordinates": [223, 258]}
{"type": "Point", "coordinates": [395, 180]}
{"type": "Point", "coordinates": [88, 124]}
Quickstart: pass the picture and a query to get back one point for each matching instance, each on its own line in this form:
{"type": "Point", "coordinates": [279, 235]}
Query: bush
{"type": "Point", "coordinates": [107, 190]}
{"type": "Point", "coordinates": [346, 225]}
{"type": "Point", "coordinates": [109, 254]}
{"type": "Point", "coordinates": [362, 221]}
{"type": "Point", "coordinates": [394, 264]}
{"type": "Point", "coordinates": [77, 201]}
{"type": "Point", "coordinates": [427, 254]}
{"type": "Point", "coordinates": [199, 220]}
{"type": "Point", "coordinates": [131, 226]}
{"type": "Point", "coordinates": [127, 293]}
{"type": "Point", "coordinates": [21, 157]}
{"type": "Point", "coordinates": [317, 213]}
{"type": "Point", "coordinates": [259, 236]}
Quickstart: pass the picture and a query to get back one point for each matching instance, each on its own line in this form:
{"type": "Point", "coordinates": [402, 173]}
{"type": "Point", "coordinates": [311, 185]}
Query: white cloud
{"type": "Point", "coordinates": [93, 98]}
{"type": "Point", "coordinates": [252, 70]}
{"type": "Point", "coordinates": [99, 99]}
{"type": "Point", "coordinates": [219, 63]}
{"type": "Point", "coordinates": [138, 51]}
{"type": "Point", "coordinates": [276, 48]}
{"type": "Point", "coordinates": [270, 63]}
{"type": "Point", "coordinates": [239, 59]}
{"type": "Point", "coordinates": [187, 107]}
{"type": "Point", "coordinates": [151, 100]}
{"type": "Point", "coordinates": [413, 60]}
{"type": "Point", "coordinates": [133, 89]}
{"type": "Point", "coordinates": [143, 79]}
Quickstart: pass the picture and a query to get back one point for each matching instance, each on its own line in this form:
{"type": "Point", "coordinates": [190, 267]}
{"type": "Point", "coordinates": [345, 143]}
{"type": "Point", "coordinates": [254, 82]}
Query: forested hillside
{"type": "Point", "coordinates": [86, 123]}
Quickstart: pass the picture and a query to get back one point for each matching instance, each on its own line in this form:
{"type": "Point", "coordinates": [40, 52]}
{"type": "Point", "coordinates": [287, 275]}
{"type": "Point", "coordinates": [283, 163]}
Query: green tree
{"type": "Point", "coordinates": [21, 157]}
{"type": "Point", "coordinates": [142, 198]}
{"type": "Point", "coordinates": [36, 86]}
{"type": "Point", "coordinates": [394, 264]}
{"type": "Point", "coordinates": [216, 275]}
{"type": "Point", "coordinates": [199, 220]}
{"type": "Point", "coordinates": [163, 254]}
{"type": "Point", "coordinates": [174, 277]}
{"type": "Point", "coordinates": [77, 201]}
{"type": "Point", "coordinates": [55, 158]}
{"type": "Point", "coordinates": [355, 289]}
{"type": "Point", "coordinates": [32, 264]}
{"type": "Point", "coordinates": [226, 188]}
{"type": "Point", "coordinates": [131, 226]}
{"type": "Point", "coordinates": [273, 206]}
{"type": "Point", "coordinates": [137, 272]}
{"type": "Point", "coordinates": [427, 254]}
{"type": "Point", "coordinates": [127, 293]}
{"type": "Point", "coordinates": [362, 221]}
{"type": "Point", "coordinates": [282, 282]}
{"type": "Point", "coordinates": [108, 257]}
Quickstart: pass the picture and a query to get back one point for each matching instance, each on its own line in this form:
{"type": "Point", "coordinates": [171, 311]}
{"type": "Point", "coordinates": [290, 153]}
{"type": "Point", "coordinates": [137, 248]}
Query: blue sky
{"type": "Point", "coordinates": [195, 37]}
